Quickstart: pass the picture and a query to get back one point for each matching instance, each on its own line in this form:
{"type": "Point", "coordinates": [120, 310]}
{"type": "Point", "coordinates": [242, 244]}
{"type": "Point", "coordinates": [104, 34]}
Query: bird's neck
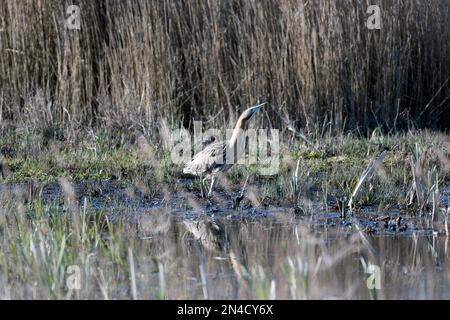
{"type": "Point", "coordinates": [239, 129]}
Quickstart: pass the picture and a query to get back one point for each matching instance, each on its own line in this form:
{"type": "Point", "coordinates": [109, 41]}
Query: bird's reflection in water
{"type": "Point", "coordinates": [206, 257]}
{"type": "Point", "coordinates": [212, 235]}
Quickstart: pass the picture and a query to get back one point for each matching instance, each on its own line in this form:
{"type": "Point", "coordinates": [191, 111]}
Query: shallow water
{"type": "Point", "coordinates": [240, 259]}
{"type": "Point", "coordinates": [209, 250]}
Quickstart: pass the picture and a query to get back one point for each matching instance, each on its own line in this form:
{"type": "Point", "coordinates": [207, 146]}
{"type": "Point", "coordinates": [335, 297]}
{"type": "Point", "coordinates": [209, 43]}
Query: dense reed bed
{"type": "Point", "coordinates": [135, 62]}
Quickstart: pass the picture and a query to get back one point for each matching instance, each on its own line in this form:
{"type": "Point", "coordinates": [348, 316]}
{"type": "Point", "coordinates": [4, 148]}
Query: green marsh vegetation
{"type": "Point", "coordinates": [327, 169]}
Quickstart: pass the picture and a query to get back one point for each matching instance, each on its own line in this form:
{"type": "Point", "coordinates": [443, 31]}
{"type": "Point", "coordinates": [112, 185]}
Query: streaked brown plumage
{"type": "Point", "coordinates": [213, 159]}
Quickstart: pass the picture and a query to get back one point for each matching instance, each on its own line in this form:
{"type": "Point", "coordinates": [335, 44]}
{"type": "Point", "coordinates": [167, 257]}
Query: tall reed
{"type": "Point", "coordinates": [134, 62]}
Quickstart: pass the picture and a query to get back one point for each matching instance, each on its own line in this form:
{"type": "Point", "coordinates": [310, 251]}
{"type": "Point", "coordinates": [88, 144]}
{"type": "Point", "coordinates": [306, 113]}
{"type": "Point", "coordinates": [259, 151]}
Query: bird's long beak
{"type": "Point", "coordinates": [259, 106]}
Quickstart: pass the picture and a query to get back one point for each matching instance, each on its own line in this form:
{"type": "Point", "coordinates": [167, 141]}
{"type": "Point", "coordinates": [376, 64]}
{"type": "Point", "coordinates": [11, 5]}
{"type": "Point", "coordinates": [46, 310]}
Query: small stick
{"type": "Point", "coordinates": [132, 274]}
{"type": "Point", "coordinates": [446, 214]}
{"type": "Point", "coordinates": [244, 186]}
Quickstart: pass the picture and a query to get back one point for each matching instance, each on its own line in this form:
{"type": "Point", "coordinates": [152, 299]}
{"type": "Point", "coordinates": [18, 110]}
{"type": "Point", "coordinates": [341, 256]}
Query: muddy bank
{"type": "Point", "coordinates": [132, 202]}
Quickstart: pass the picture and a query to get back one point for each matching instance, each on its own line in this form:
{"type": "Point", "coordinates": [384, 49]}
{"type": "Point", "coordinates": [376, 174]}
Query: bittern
{"type": "Point", "coordinates": [213, 159]}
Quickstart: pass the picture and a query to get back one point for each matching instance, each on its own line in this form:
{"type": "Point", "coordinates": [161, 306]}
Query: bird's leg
{"type": "Point", "coordinates": [240, 197]}
{"type": "Point", "coordinates": [213, 180]}
{"type": "Point", "coordinates": [202, 186]}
